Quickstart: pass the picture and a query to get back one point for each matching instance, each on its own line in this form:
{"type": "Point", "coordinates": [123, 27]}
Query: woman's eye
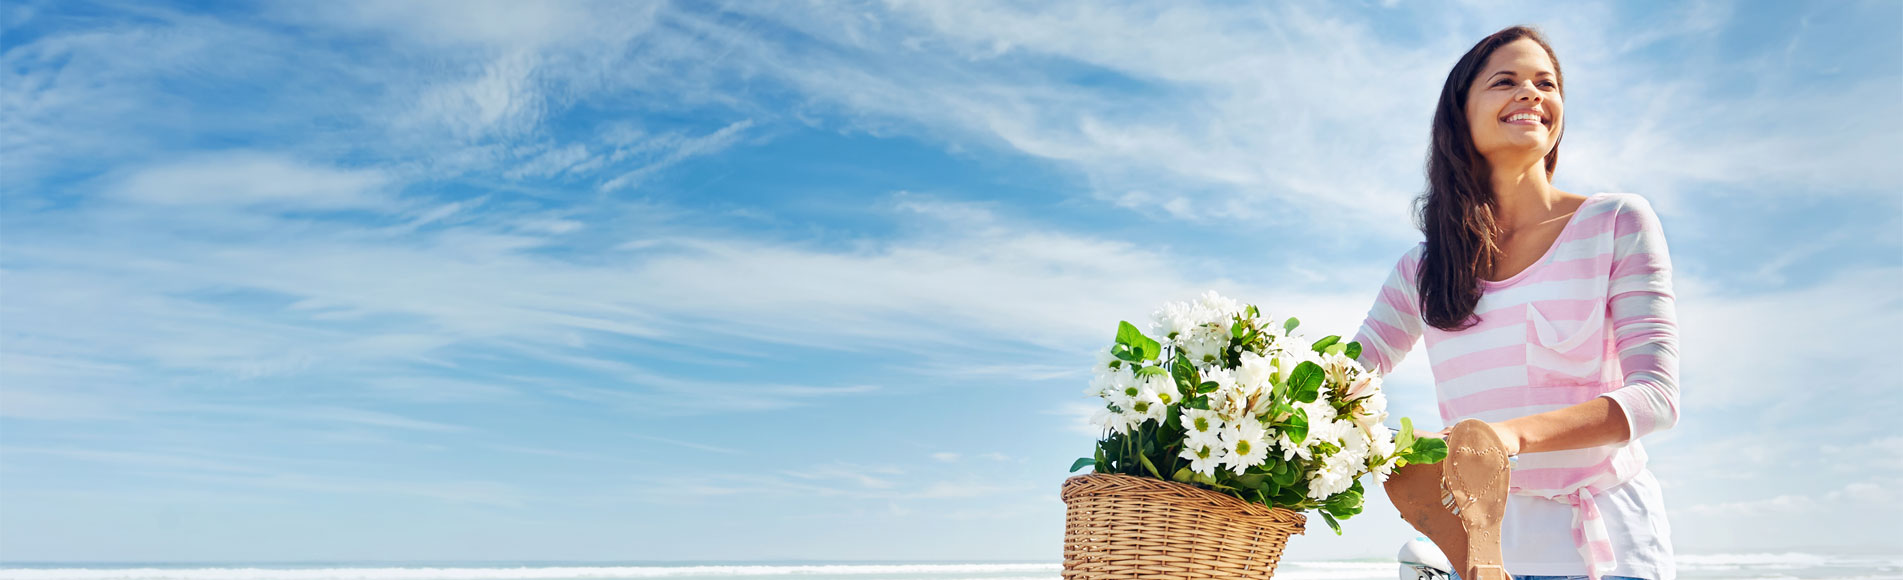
{"type": "Point", "coordinates": [1548, 84]}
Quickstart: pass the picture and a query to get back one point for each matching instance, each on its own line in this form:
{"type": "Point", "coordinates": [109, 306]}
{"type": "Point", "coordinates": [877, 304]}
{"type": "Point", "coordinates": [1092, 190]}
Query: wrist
{"type": "Point", "coordinates": [1509, 436]}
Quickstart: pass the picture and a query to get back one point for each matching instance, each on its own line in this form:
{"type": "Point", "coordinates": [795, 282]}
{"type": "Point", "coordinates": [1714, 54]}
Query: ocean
{"type": "Point", "coordinates": [1712, 566]}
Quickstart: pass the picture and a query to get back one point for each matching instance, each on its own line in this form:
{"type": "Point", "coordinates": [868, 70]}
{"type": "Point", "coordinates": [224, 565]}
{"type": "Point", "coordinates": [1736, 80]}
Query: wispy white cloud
{"type": "Point", "coordinates": [245, 179]}
{"type": "Point", "coordinates": [475, 219]}
{"type": "Point", "coordinates": [686, 147]}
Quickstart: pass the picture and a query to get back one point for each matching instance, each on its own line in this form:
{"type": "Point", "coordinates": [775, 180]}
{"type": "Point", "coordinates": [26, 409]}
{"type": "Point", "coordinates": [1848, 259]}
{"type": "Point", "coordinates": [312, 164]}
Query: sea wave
{"type": "Point", "coordinates": [1784, 561]}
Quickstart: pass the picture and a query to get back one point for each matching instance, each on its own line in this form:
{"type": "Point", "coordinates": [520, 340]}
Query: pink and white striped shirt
{"type": "Point", "coordinates": [1594, 317]}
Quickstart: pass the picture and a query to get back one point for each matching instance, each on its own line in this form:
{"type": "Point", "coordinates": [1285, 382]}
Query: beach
{"type": "Point", "coordinates": [1700, 567]}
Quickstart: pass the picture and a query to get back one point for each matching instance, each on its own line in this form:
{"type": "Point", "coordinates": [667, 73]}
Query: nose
{"type": "Point", "coordinates": [1528, 93]}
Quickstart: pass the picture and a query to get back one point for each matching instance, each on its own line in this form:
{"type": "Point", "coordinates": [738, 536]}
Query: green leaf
{"type": "Point", "coordinates": [1124, 352]}
{"type": "Point", "coordinates": [1253, 313]}
{"type": "Point", "coordinates": [1297, 427]}
{"type": "Point", "coordinates": [1325, 342]}
{"type": "Point", "coordinates": [1334, 348]}
{"type": "Point", "coordinates": [1305, 382]}
{"type": "Point", "coordinates": [1287, 479]}
{"type": "Point", "coordinates": [1149, 466]}
{"type": "Point", "coordinates": [1185, 374]}
{"type": "Point", "coordinates": [1207, 387]}
{"type": "Point", "coordinates": [1236, 329]}
{"type": "Point", "coordinates": [1291, 495]}
{"type": "Point", "coordinates": [1082, 463]}
{"type": "Point", "coordinates": [1101, 464]}
{"type": "Point", "coordinates": [1250, 481]}
{"type": "Point", "coordinates": [1353, 351]}
{"type": "Point", "coordinates": [1145, 347]}
{"type": "Point", "coordinates": [1332, 523]}
{"type": "Point", "coordinates": [1345, 504]}
{"type": "Point", "coordinates": [1427, 450]}
{"type": "Point", "coordinates": [1128, 335]}
{"type": "Point", "coordinates": [1291, 324]}
{"type": "Point", "coordinates": [1404, 439]}
{"type": "Point", "coordinates": [1184, 475]}
{"type": "Point", "coordinates": [1151, 370]}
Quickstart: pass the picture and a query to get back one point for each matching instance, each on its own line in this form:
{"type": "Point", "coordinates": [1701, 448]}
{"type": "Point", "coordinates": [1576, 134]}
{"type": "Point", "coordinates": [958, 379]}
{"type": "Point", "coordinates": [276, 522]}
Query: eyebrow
{"type": "Point", "coordinates": [1510, 73]}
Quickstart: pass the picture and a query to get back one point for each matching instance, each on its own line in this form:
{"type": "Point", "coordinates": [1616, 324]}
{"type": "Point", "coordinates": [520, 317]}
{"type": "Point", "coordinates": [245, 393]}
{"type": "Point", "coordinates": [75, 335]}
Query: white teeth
{"type": "Point", "coordinates": [1523, 117]}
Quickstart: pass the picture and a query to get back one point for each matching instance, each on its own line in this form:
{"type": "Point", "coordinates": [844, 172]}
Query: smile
{"type": "Point", "coordinates": [1528, 118]}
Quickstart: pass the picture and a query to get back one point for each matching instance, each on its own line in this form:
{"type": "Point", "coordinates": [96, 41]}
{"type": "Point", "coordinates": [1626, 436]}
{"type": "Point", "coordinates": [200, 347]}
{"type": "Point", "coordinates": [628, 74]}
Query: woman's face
{"type": "Point", "coordinates": [1513, 105]}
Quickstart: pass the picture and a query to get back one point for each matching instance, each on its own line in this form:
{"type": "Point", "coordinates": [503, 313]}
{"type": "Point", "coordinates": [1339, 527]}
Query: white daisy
{"type": "Point", "coordinates": [1163, 387]}
{"type": "Point", "coordinates": [1107, 362]}
{"type": "Point", "coordinates": [1112, 420]}
{"type": "Point", "coordinates": [1248, 447]}
{"type": "Point", "coordinates": [1107, 383]}
{"type": "Point", "coordinates": [1205, 344]}
{"type": "Point", "coordinates": [1201, 426]}
{"type": "Point", "coordinates": [1203, 457]}
{"type": "Point", "coordinates": [1147, 406]}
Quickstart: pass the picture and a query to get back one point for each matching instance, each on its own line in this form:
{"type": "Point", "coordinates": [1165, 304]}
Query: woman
{"type": "Point", "coordinates": [1548, 316]}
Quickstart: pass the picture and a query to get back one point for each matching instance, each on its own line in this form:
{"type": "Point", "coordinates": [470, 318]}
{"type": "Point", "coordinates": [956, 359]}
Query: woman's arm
{"type": "Point", "coordinates": [1393, 324]}
{"type": "Point", "coordinates": [1645, 332]}
{"type": "Point", "coordinates": [1589, 424]}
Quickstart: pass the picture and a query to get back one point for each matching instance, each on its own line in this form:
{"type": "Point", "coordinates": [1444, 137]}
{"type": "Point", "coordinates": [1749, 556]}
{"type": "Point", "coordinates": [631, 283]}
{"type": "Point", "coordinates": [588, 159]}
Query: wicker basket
{"type": "Point", "coordinates": [1127, 527]}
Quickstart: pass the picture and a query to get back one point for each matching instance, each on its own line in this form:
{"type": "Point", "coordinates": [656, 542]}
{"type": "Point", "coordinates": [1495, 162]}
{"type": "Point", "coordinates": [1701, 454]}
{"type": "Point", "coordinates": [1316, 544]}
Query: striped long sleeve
{"type": "Point", "coordinates": [1393, 324]}
{"type": "Point", "coordinates": [1644, 320]}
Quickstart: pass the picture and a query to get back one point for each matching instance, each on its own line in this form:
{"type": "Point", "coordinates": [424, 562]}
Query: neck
{"type": "Point", "coordinates": [1522, 196]}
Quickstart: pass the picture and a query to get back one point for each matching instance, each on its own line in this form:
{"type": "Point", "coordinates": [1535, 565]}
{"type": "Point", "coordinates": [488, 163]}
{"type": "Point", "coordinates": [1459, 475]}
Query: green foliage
{"type": "Point", "coordinates": [1133, 346]}
{"type": "Point", "coordinates": [1305, 382]}
{"type": "Point", "coordinates": [1429, 450]}
{"type": "Point", "coordinates": [1404, 439]}
{"type": "Point", "coordinates": [1297, 426]}
{"type": "Point", "coordinates": [1332, 523]}
{"type": "Point", "coordinates": [1147, 465]}
{"type": "Point", "coordinates": [1156, 450]}
{"type": "Point", "coordinates": [1187, 379]}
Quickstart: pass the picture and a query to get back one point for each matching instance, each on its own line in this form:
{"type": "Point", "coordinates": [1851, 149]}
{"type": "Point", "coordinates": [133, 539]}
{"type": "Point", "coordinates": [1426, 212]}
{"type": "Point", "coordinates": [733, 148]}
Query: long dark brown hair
{"type": "Point", "coordinates": [1456, 211]}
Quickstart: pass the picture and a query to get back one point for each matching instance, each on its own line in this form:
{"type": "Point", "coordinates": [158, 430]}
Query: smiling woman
{"type": "Point", "coordinates": [1551, 330]}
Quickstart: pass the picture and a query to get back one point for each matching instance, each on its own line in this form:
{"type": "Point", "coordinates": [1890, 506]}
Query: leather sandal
{"type": "Point", "coordinates": [1476, 483]}
{"type": "Point", "coordinates": [1417, 494]}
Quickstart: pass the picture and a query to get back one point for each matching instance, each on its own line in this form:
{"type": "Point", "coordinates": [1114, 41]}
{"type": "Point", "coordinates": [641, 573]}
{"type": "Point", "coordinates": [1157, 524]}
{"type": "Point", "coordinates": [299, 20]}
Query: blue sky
{"type": "Point", "coordinates": [543, 281]}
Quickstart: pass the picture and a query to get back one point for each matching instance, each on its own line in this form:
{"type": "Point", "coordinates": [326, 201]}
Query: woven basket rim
{"type": "Point", "coordinates": [1225, 504]}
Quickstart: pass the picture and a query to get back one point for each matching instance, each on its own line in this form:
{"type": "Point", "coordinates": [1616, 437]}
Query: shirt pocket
{"type": "Point", "coordinates": [1566, 346]}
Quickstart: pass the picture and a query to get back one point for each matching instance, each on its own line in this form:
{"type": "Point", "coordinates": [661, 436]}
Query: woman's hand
{"type": "Point", "coordinates": [1506, 433]}
{"type": "Point", "coordinates": [1508, 436]}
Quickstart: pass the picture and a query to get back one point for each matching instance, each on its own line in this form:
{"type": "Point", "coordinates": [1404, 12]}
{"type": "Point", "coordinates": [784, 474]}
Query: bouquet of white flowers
{"type": "Point", "coordinates": [1229, 401]}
